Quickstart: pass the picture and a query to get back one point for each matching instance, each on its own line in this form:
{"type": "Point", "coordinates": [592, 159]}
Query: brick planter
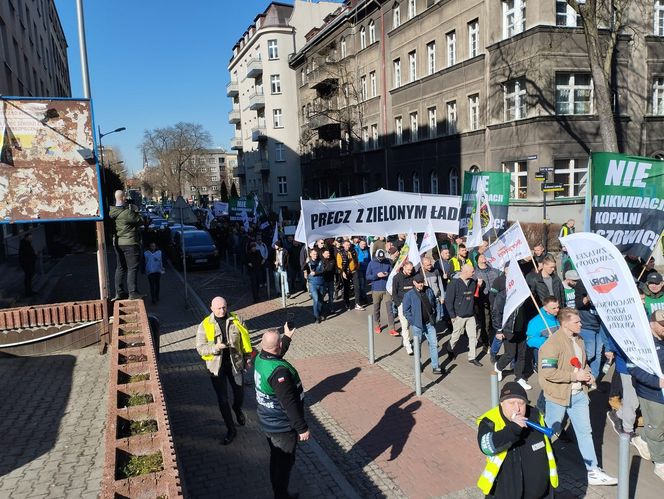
{"type": "Point", "coordinates": [136, 422]}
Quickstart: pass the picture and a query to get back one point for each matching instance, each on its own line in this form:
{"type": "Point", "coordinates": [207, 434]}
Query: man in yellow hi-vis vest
{"type": "Point", "coordinates": [520, 460]}
{"type": "Point", "coordinates": [222, 341]}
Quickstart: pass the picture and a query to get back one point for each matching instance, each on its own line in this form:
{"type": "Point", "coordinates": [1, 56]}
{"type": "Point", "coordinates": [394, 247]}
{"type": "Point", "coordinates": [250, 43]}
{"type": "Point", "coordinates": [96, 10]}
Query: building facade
{"type": "Point", "coordinates": [211, 174]}
{"type": "Point", "coordinates": [263, 91]}
{"type": "Point", "coordinates": [409, 94]}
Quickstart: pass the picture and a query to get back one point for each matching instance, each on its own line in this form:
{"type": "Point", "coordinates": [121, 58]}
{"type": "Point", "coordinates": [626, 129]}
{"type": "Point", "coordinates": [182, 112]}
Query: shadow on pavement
{"type": "Point", "coordinates": [331, 384]}
{"type": "Point", "coordinates": [34, 401]}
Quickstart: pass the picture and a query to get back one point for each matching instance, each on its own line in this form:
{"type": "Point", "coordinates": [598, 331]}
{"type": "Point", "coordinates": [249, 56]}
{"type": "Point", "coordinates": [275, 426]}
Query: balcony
{"type": "Point", "coordinates": [234, 116]}
{"type": "Point", "coordinates": [259, 131]}
{"type": "Point", "coordinates": [254, 68]}
{"type": "Point", "coordinates": [236, 143]}
{"type": "Point", "coordinates": [232, 89]}
{"type": "Point", "coordinates": [317, 121]}
{"type": "Point", "coordinates": [257, 100]}
{"type": "Point", "coordinates": [262, 166]}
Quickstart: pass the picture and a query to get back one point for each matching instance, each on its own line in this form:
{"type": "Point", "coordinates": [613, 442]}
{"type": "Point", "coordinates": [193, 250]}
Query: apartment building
{"type": "Point", "coordinates": [263, 91]}
{"type": "Point", "coordinates": [409, 94]}
{"type": "Point", "coordinates": [212, 174]}
{"type": "Point", "coordinates": [33, 50]}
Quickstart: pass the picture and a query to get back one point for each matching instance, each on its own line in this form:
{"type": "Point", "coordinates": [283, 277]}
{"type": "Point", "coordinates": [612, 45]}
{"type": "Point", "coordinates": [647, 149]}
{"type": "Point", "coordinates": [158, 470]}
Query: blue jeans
{"type": "Point", "coordinates": [579, 415]}
{"type": "Point", "coordinates": [593, 343]}
{"type": "Point", "coordinates": [316, 292]}
{"type": "Point", "coordinates": [328, 289]}
{"type": "Point", "coordinates": [430, 334]}
{"type": "Point", "coordinates": [277, 280]}
{"type": "Point", "coordinates": [495, 346]}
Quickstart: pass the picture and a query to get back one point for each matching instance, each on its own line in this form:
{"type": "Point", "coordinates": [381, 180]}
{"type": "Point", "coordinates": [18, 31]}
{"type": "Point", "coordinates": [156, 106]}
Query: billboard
{"type": "Point", "coordinates": [48, 168]}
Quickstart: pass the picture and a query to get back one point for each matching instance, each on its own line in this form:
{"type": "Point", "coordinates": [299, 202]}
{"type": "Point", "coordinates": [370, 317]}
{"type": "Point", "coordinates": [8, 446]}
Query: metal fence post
{"type": "Point", "coordinates": [372, 358]}
{"type": "Point", "coordinates": [623, 466]}
{"type": "Point", "coordinates": [494, 390]}
{"type": "Point", "coordinates": [267, 281]}
{"type": "Point", "coordinates": [283, 290]}
{"type": "Point", "coordinates": [417, 366]}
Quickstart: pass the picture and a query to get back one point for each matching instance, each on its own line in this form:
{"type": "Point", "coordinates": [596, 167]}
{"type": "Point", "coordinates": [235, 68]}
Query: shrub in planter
{"type": "Point", "coordinates": [133, 427]}
{"type": "Point", "coordinates": [128, 465]}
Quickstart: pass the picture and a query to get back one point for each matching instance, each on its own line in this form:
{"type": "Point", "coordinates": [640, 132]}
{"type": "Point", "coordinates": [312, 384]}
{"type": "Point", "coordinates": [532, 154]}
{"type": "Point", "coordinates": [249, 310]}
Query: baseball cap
{"type": "Point", "coordinates": [513, 390]}
{"type": "Point", "coordinates": [418, 278]}
{"type": "Point", "coordinates": [380, 254]}
{"type": "Point", "coordinates": [658, 317]}
{"type": "Point", "coordinates": [654, 278]}
{"type": "Point", "coordinates": [572, 275]}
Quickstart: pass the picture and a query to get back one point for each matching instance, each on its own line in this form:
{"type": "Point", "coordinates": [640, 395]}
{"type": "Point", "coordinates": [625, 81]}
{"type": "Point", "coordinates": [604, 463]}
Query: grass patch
{"type": "Point", "coordinates": [124, 332]}
{"type": "Point", "coordinates": [124, 378]}
{"type": "Point", "coordinates": [139, 399]}
{"type": "Point", "coordinates": [141, 465]}
{"type": "Point", "coordinates": [133, 428]}
{"type": "Point", "coordinates": [134, 357]}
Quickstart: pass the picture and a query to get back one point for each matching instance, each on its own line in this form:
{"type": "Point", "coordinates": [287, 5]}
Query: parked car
{"type": "Point", "coordinates": [199, 249]}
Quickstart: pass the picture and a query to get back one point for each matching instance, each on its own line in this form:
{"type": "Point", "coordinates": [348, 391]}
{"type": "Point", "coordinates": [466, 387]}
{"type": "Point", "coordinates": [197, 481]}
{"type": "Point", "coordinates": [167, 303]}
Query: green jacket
{"type": "Point", "coordinates": [126, 224]}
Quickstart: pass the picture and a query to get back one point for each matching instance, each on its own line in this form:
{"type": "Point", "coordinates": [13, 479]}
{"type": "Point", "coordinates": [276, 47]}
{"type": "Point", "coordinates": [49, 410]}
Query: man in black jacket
{"type": "Point", "coordinates": [401, 284]}
{"type": "Point", "coordinates": [546, 282]}
{"type": "Point", "coordinates": [280, 407]}
{"type": "Point", "coordinates": [460, 301]}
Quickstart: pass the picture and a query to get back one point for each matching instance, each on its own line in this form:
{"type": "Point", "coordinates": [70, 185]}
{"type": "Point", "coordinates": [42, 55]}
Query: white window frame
{"type": "Point", "coordinates": [514, 17]}
{"type": "Point", "coordinates": [372, 32]}
{"type": "Point", "coordinates": [658, 23]}
{"type": "Point", "coordinates": [373, 85]}
{"type": "Point", "coordinates": [431, 57]}
{"type": "Point", "coordinates": [451, 48]}
{"type": "Point", "coordinates": [396, 70]}
{"type": "Point", "coordinates": [279, 152]}
{"type": "Point", "coordinates": [658, 96]}
{"type": "Point", "coordinates": [374, 136]}
{"type": "Point", "coordinates": [365, 138]}
{"type": "Point", "coordinates": [566, 16]}
{"type": "Point", "coordinates": [452, 118]}
{"type": "Point", "coordinates": [398, 130]}
{"type": "Point", "coordinates": [344, 48]}
{"type": "Point", "coordinates": [277, 118]}
{"type": "Point", "coordinates": [515, 90]}
{"type": "Point", "coordinates": [416, 182]}
{"type": "Point", "coordinates": [363, 38]}
{"type": "Point", "coordinates": [275, 84]}
{"type": "Point", "coordinates": [414, 127]}
{"type": "Point", "coordinates": [401, 185]}
{"type": "Point", "coordinates": [396, 16]}
{"type": "Point", "coordinates": [412, 66]}
{"type": "Point", "coordinates": [473, 38]}
{"type": "Point", "coordinates": [433, 122]}
{"type": "Point", "coordinates": [412, 8]}
{"type": "Point", "coordinates": [474, 111]}
{"type": "Point", "coordinates": [433, 181]}
{"type": "Point", "coordinates": [282, 186]}
{"type": "Point", "coordinates": [272, 50]}
{"type": "Point", "coordinates": [518, 178]}
{"type": "Point", "coordinates": [363, 87]}
{"type": "Point", "coordinates": [565, 172]}
{"type": "Point", "coordinates": [453, 181]}
{"type": "Point", "coordinates": [573, 90]}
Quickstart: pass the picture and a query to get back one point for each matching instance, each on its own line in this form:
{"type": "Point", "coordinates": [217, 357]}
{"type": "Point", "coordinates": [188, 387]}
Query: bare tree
{"type": "Point", "coordinates": [172, 149]}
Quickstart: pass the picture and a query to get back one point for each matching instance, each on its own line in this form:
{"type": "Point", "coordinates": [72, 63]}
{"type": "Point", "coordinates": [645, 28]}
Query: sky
{"type": "Point", "coordinates": [154, 63]}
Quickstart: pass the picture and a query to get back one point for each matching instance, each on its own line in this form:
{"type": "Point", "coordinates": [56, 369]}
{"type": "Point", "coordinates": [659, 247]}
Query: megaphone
{"type": "Point", "coordinates": [542, 429]}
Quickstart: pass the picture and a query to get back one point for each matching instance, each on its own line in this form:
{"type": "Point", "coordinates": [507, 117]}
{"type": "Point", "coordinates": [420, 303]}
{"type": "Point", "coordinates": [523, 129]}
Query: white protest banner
{"type": "Point", "coordinates": [379, 213]}
{"type": "Point", "coordinates": [512, 241]}
{"type": "Point", "coordinates": [611, 288]}
{"type": "Point", "coordinates": [428, 240]}
{"type": "Point", "coordinates": [409, 253]}
{"type": "Point", "coordinates": [516, 287]}
{"type": "Point", "coordinates": [219, 208]}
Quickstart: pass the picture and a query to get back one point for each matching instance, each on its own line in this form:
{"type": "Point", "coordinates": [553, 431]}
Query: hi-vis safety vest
{"type": "Point", "coordinates": [493, 463]}
{"type": "Point", "coordinates": [208, 327]}
{"type": "Point", "coordinates": [456, 263]}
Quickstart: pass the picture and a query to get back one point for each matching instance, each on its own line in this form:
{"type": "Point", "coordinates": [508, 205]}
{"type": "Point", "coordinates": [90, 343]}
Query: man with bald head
{"type": "Point", "coordinates": [460, 301]}
{"type": "Point", "coordinates": [222, 341]}
{"type": "Point", "coordinates": [126, 242]}
{"type": "Point", "coordinates": [280, 407]}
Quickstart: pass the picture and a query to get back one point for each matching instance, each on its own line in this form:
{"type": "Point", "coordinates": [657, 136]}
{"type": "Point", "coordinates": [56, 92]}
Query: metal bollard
{"type": "Point", "coordinates": [623, 466]}
{"type": "Point", "coordinates": [372, 357]}
{"type": "Point", "coordinates": [494, 390]}
{"type": "Point", "coordinates": [418, 367]}
{"type": "Point", "coordinates": [267, 282]}
{"type": "Point", "coordinates": [283, 290]}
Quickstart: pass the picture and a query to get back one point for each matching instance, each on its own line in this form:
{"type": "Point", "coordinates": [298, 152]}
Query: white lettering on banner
{"type": "Point", "coordinates": [637, 202]}
{"type": "Point", "coordinates": [611, 289]}
{"type": "Point", "coordinates": [512, 241]}
{"type": "Point", "coordinates": [646, 237]}
{"type": "Point", "coordinates": [612, 217]}
{"type": "Point", "coordinates": [627, 173]}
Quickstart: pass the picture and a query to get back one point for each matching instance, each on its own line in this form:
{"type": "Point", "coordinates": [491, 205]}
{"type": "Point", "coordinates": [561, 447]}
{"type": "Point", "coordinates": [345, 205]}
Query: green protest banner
{"type": "Point", "coordinates": [627, 201]}
{"type": "Point", "coordinates": [497, 187]}
{"type": "Point", "coordinates": [236, 206]}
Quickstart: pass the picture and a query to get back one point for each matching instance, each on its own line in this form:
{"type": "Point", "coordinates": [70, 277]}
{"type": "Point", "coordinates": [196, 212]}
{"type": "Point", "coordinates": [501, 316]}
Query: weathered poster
{"type": "Point", "coordinates": [627, 201]}
{"type": "Point", "coordinates": [48, 168]}
{"type": "Point", "coordinates": [497, 188]}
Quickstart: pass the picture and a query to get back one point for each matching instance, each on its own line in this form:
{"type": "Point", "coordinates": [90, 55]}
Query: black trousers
{"type": "Point", "coordinates": [282, 459]}
{"type": "Point", "coordinates": [29, 273]}
{"type": "Point", "coordinates": [255, 280]}
{"type": "Point", "coordinates": [514, 350]}
{"type": "Point", "coordinates": [220, 385]}
{"type": "Point", "coordinates": [128, 258]}
{"type": "Point", "coordinates": [484, 325]}
{"type": "Point", "coordinates": [154, 279]}
{"type": "Point", "coordinates": [354, 279]}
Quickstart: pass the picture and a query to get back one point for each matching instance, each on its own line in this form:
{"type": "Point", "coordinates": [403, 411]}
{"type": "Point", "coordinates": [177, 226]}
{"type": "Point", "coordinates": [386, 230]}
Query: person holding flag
{"type": "Point", "coordinates": [481, 220]}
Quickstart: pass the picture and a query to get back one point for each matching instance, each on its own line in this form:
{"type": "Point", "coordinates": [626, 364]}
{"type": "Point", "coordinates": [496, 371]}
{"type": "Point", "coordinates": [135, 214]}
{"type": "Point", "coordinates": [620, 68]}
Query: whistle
{"type": "Point", "coordinates": [542, 429]}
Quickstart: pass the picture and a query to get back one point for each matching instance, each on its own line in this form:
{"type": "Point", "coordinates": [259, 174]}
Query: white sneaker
{"type": "Point", "coordinates": [642, 448]}
{"type": "Point", "coordinates": [659, 470]}
{"type": "Point", "coordinates": [409, 348]}
{"type": "Point", "coordinates": [524, 384]}
{"type": "Point", "coordinates": [598, 477]}
{"type": "Point", "coordinates": [499, 373]}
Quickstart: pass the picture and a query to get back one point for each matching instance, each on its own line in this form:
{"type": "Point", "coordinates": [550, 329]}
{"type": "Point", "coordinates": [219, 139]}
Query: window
{"type": "Point", "coordinates": [275, 84]}
{"type": "Point", "coordinates": [659, 18]}
{"type": "Point", "coordinates": [401, 185]}
{"type": "Point", "coordinates": [303, 77]}
{"type": "Point", "coordinates": [365, 138]}
{"type": "Point", "coordinates": [282, 186]}
{"type": "Point", "coordinates": [396, 64]}
{"type": "Point", "coordinates": [514, 17]}
{"type": "Point", "coordinates": [414, 127]}
{"type": "Point", "coordinates": [515, 99]}
{"type": "Point", "coordinates": [451, 48]}
{"type": "Point", "coordinates": [214, 188]}
{"type": "Point", "coordinates": [363, 37]}
{"type": "Point", "coordinates": [451, 117]}
{"type": "Point", "coordinates": [453, 179]}
{"type": "Point", "coordinates": [279, 151]}
{"type": "Point", "coordinates": [363, 87]}
{"type": "Point", "coordinates": [431, 58]}
{"type": "Point", "coordinates": [272, 50]}
{"type": "Point", "coordinates": [473, 38]}
{"type": "Point", "coordinates": [474, 111]}
{"type": "Point", "coordinates": [214, 179]}
{"type": "Point", "coordinates": [416, 182]}
{"type": "Point", "coordinates": [344, 49]}
{"type": "Point", "coordinates": [412, 66]}
{"type": "Point", "coordinates": [658, 97]}
{"type": "Point", "coordinates": [193, 188]}
{"type": "Point", "coordinates": [518, 179]}
{"type": "Point", "coordinates": [372, 32]}
{"type": "Point", "coordinates": [412, 8]}
{"type": "Point", "coordinates": [278, 118]}
{"type": "Point", "coordinates": [565, 15]}
{"type": "Point", "coordinates": [372, 84]}
{"type": "Point", "coordinates": [398, 130]}
{"type": "Point", "coordinates": [396, 16]}
{"type": "Point", "coordinates": [374, 136]}
{"type": "Point", "coordinates": [574, 93]}
{"type": "Point", "coordinates": [433, 179]}
{"type": "Point", "coordinates": [433, 122]}
{"type": "Point", "coordinates": [573, 174]}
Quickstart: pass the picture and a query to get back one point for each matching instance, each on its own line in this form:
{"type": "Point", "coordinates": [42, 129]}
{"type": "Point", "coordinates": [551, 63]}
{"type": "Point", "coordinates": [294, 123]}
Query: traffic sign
{"type": "Point", "coordinates": [540, 176]}
{"type": "Point", "coordinates": [546, 168]}
{"type": "Point", "coordinates": [532, 157]}
{"type": "Point", "coordinates": [552, 187]}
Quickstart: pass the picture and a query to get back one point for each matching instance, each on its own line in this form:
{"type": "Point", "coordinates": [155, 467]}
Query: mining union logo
{"type": "Point", "coordinates": [603, 280]}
